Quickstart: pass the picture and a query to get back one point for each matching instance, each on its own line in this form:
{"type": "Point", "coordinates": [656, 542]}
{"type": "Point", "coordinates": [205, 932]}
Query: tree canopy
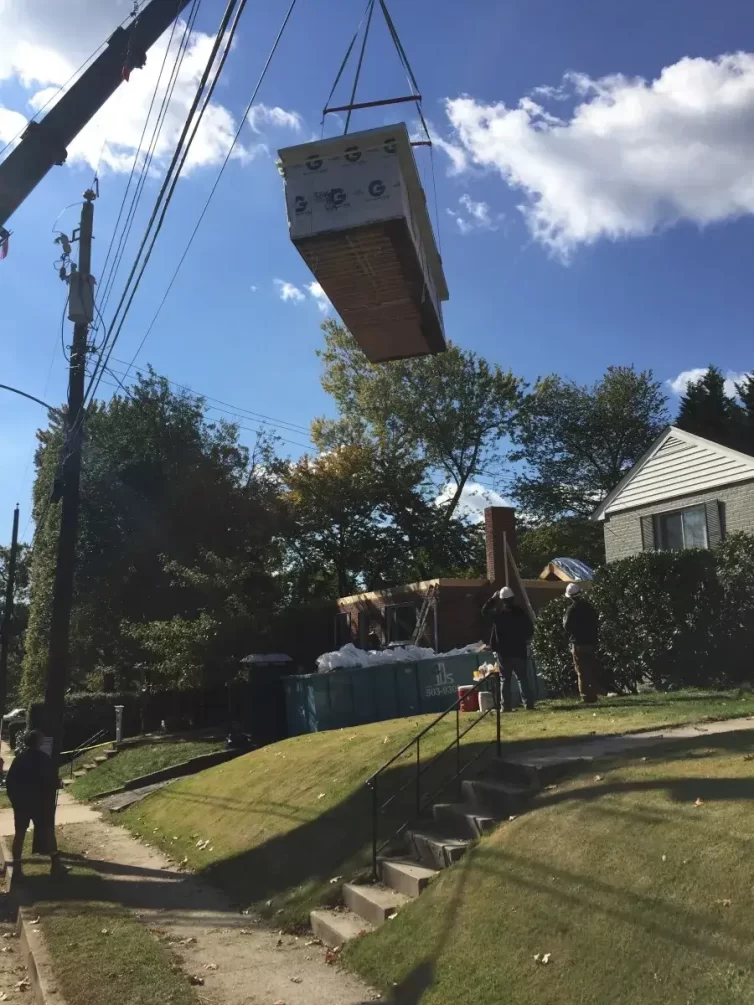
{"type": "Point", "coordinates": [577, 441]}
{"type": "Point", "coordinates": [707, 409]}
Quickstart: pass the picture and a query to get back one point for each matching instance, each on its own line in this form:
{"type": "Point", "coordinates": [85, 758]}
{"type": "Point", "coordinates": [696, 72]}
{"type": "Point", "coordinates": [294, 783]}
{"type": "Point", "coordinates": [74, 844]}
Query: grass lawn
{"type": "Point", "coordinates": [639, 893]}
{"type": "Point", "coordinates": [282, 822]}
{"type": "Point", "coordinates": [101, 954]}
{"type": "Point", "coordinates": [136, 761]}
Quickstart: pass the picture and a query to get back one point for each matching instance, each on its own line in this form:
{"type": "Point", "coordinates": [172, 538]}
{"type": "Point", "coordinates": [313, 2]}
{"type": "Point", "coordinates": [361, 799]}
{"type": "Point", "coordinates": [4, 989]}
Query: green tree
{"type": "Point", "coordinates": [745, 392]}
{"type": "Point", "coordinates": [163, 490]}
{"type": "Point", "coordinates": [577, 441]}
{"type": "Point", "coordinates": [707, 410]}
{"type": "Point", "coordinates": [20, 618]}
{"type": "Point", "coordinates": [450, 411]}
{"type": "Point", "coordinates": [569, 537]}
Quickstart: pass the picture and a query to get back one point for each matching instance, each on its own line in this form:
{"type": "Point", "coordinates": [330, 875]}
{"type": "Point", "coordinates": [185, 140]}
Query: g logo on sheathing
{"type": "Point", "coordinates": [300, 204]}
{"type": "Point", "coordinates": [376, 188]}
{"type": "Point", "coordinates": [314, 162]}
{"type": "Point", "coordinates": [334, 198]}
{"type": "Point", "coordinates": [390, 145]}
{"type": "Point", "coordinates": [353, 154]}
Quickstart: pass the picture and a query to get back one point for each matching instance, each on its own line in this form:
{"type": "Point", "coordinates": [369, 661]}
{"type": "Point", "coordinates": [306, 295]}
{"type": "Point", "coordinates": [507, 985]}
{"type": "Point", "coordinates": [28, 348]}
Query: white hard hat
{"type": "Point", "coordinates": [573, 589]}
{"type": "Point", "coordinates": [506, 593]}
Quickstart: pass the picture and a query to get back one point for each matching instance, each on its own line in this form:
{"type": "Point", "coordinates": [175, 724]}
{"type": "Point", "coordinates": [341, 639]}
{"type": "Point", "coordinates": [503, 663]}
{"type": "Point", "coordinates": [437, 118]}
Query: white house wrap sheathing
{"type": "Point", "coordinates": [357, 214]}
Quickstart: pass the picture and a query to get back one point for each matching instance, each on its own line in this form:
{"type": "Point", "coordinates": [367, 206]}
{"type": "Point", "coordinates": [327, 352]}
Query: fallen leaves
{"type": "Point", "coordinates": [331, 956]}
{"type": "Point", "coordinates": [335, 879]}
{"type": "Point", "coordinates": [321, 795]}
{"type": "Point", "coordinates": [598, 778]}
{"type": "Point", "coordinates": [543, 958]}
{"type": "Point", "coordinates": [23, 985]}
{"type": "Point", "coordinates": [196, 981]}
{"type": "Point", "coordinates": [699, 802]}
{"type": "Point", "coordinates": [664, 858]}
{"type": "Point", "coordinates": [725, 902]}
{"type": "Point", "coordinates": [297, 980]}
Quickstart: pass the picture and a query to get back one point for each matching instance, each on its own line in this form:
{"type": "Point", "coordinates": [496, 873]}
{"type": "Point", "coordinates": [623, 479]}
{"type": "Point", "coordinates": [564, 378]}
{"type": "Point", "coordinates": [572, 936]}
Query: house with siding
{"type": "Point", "coordinates": [685, 492]}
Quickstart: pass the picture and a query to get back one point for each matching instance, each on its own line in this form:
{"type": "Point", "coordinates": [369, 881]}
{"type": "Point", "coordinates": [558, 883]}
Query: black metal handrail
{"type": "Point", "coordinates": [423, 801]}
{"type": "Point", "coordinates": [83, 747]}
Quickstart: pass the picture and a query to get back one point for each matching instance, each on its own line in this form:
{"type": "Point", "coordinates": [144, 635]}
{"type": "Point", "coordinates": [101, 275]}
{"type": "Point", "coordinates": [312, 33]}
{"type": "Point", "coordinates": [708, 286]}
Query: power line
{"type": "Point", "coordinates": [223, 166]}
{"type": "Point", "coordinates": [249, 429]}
{"type": "Point", "coordinates": [294, 427]}
{"type": "Point", "coordinates": [109, 279]}
{"type": "Point", "coordinates": [167, 189]}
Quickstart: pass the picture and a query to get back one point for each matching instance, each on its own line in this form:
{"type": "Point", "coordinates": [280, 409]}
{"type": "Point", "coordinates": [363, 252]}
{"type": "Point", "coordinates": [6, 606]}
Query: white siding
{"type": "Point", "coordinates": [680, 468]}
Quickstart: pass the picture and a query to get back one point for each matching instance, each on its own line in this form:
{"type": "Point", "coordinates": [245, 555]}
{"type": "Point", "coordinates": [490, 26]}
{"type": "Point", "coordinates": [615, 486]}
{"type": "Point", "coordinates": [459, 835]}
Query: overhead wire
{"type": "Point", "coordinates": [227, 407]}
{"type": "Point", "coordinates": [223, 166]}
{"type": "Point", "coordinates": [109, 278]}
{"type": "Point", "coordinates": [165, 195]}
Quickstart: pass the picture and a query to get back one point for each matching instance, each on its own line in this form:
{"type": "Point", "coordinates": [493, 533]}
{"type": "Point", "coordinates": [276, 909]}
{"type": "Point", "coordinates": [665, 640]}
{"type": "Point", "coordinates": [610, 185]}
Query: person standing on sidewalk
{"type": "Point", "coordinates": [513, 629]}
{"type": "Point", "coordinates": [582, 628]}
{"type": "Point", "coordinates": [31, 785]}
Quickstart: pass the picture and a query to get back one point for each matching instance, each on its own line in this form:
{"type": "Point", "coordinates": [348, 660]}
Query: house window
{"type": "Point", "coordinates": [342, 628]}
{"type": "Point", "coordinates": [400, 622]}
{"type": "Point", "coordinates": [687, 528]}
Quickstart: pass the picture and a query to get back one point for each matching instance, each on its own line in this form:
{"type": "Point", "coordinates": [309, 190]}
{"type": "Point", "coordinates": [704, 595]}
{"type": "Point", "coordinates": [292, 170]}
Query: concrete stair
{"type": "Point", "coordinates": [95, 762]}
{"type": "Point", "coordinates": [502, 791]}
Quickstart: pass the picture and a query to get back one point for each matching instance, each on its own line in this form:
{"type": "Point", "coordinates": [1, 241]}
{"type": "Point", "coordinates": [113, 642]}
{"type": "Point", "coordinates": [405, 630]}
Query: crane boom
{"type": "Point", "coordinates": [44, 144]}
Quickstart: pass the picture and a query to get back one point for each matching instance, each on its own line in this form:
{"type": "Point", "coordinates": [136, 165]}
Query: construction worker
{"type": "Point", "coordinates": [31, 786]}
{"type": "Point", "coordinates": [582, 628]}
{"type": "Point", "coordinates": [512, 629]}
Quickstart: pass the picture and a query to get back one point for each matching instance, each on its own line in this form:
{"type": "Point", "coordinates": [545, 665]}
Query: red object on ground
{"type": "Point", "coordinates": [469, 702]}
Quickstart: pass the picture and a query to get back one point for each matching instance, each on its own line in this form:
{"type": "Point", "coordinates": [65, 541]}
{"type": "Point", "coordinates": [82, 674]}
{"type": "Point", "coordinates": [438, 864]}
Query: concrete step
{"type": "Point", "coordinates": [101, 759]}
{"type": "Point", "coordinates": [434, 848]}
{"type": "Point", "coordinates": [90, 766]}
{"type": "Point", "coordinates": [374, 904]}
{"type": "Point", "coordinates": [496, 798]}
{"type": "Point", "coordinates": [67, 782]}
{"type": "Point", "coordinates": [336, 927]}
{"type": "Point", "coordinates": [405, 875]}
{"type": "Point", "coordinates": [517, 774]}
{"type": "Point", "coordinates": [79, 774]}
{"type": "Point", "coordinates": [464, 820]}
{"type": "Point", "coordinates": [110, 753]}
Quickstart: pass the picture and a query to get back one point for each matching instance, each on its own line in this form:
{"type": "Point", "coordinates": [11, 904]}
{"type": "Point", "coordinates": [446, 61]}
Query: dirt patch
{"type": "Point", "coordinates": [232, 958]}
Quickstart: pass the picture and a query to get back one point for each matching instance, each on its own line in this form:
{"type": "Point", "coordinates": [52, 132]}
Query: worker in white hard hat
{"type": "Point", "coordinates": [582, 627]}
{"type": "Point", "coordinates": [512, 631]}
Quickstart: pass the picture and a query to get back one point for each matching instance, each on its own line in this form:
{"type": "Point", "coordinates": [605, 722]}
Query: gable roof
{"type": "Point", "coordinates": [677, 464]}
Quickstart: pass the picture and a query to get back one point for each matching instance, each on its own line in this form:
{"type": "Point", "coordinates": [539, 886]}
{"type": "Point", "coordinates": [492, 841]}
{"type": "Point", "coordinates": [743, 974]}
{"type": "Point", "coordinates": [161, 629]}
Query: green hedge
{"type": "Point", "coordinates": [667, 618]}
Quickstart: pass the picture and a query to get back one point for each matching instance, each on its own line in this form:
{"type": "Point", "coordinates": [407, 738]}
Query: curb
{"type": "Point", "coordinates": [31, 940]}
{"type": "Point", "coordinates": [181, 770]}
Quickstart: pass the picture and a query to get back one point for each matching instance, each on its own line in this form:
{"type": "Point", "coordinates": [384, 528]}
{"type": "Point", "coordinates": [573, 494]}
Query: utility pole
{"type": "Point", "coordinates": [81, 312]}
{"type": "Point", "coordinates": [8, 615]}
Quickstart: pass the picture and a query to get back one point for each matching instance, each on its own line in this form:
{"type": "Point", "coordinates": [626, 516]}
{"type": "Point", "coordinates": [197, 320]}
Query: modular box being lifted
{"type": "Point", "coordinates": [358, 216]}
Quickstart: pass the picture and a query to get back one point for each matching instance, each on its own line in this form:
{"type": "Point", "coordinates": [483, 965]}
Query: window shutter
{"type": "Point", "coordinates": [648, 533]}
{"type": "Point", "coordinates": [714, 523]}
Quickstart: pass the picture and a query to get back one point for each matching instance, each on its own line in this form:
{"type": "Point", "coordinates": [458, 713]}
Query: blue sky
{"type": "Point", "coordinates": [595, 174]}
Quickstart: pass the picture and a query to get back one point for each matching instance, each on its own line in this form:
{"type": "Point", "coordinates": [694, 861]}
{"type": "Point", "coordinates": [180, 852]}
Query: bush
{"type": "Point", "coordinates": [551, 650]}
{"type": "Point", "coordinates": [669, 619]}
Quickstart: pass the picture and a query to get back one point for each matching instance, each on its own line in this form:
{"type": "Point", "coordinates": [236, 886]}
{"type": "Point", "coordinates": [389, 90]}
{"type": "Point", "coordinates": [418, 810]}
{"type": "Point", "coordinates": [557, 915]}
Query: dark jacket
{"type": "Point", "coordinates": [512, 627]}
{"type": "Point", "coordinates": [581, 623]}
{"type": "Point", "coordinates": [31, 780]}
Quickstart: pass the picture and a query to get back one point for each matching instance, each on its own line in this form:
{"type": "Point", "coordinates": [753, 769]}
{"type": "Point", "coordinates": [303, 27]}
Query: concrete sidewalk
{"type": "Point", "coordinates": [69, 812]}
{"type": "Point", "coordinates": [627, 743]}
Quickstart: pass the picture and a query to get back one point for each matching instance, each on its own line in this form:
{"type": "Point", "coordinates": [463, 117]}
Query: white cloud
{"type": "Point", "coordinates": [277, 117]}
{"type": "Point", "coordinates": [678, 384]}
{"type": "Point", "coordinates": [632, 157]}
{"type": "Point", "coordinates": [474, 215]}
{"type": "Point", "coordinates": [44, 43]}
{"type": "Point", "coordinates": [475, 498]}
{"type": "Point", "coordinates": [323, 301]}
{"type": "Point", "coordinates": [11, 124]}
{"type": "Point", "coordinates": [287, 291]}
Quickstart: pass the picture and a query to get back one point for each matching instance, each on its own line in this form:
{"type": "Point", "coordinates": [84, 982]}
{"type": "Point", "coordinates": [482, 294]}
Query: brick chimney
{"type": "Point", "coordinates": [499, 524]}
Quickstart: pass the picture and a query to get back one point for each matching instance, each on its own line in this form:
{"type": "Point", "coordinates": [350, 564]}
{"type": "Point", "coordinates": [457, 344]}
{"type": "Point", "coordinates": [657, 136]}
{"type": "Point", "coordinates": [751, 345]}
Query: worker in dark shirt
{"type": "Point", "coordinates": [31, 786]}
{"type": "Point", "coordinates": [582, 628]}
{"type": "Point", "coordinates": [513, 629]}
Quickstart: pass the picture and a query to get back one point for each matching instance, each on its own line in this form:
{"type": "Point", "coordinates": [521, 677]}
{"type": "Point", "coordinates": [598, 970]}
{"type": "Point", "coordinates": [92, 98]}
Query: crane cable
{"type": "Point", "coordinates": [212, 191]}
{"type": "Point", "coordinates": [165, 195]}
